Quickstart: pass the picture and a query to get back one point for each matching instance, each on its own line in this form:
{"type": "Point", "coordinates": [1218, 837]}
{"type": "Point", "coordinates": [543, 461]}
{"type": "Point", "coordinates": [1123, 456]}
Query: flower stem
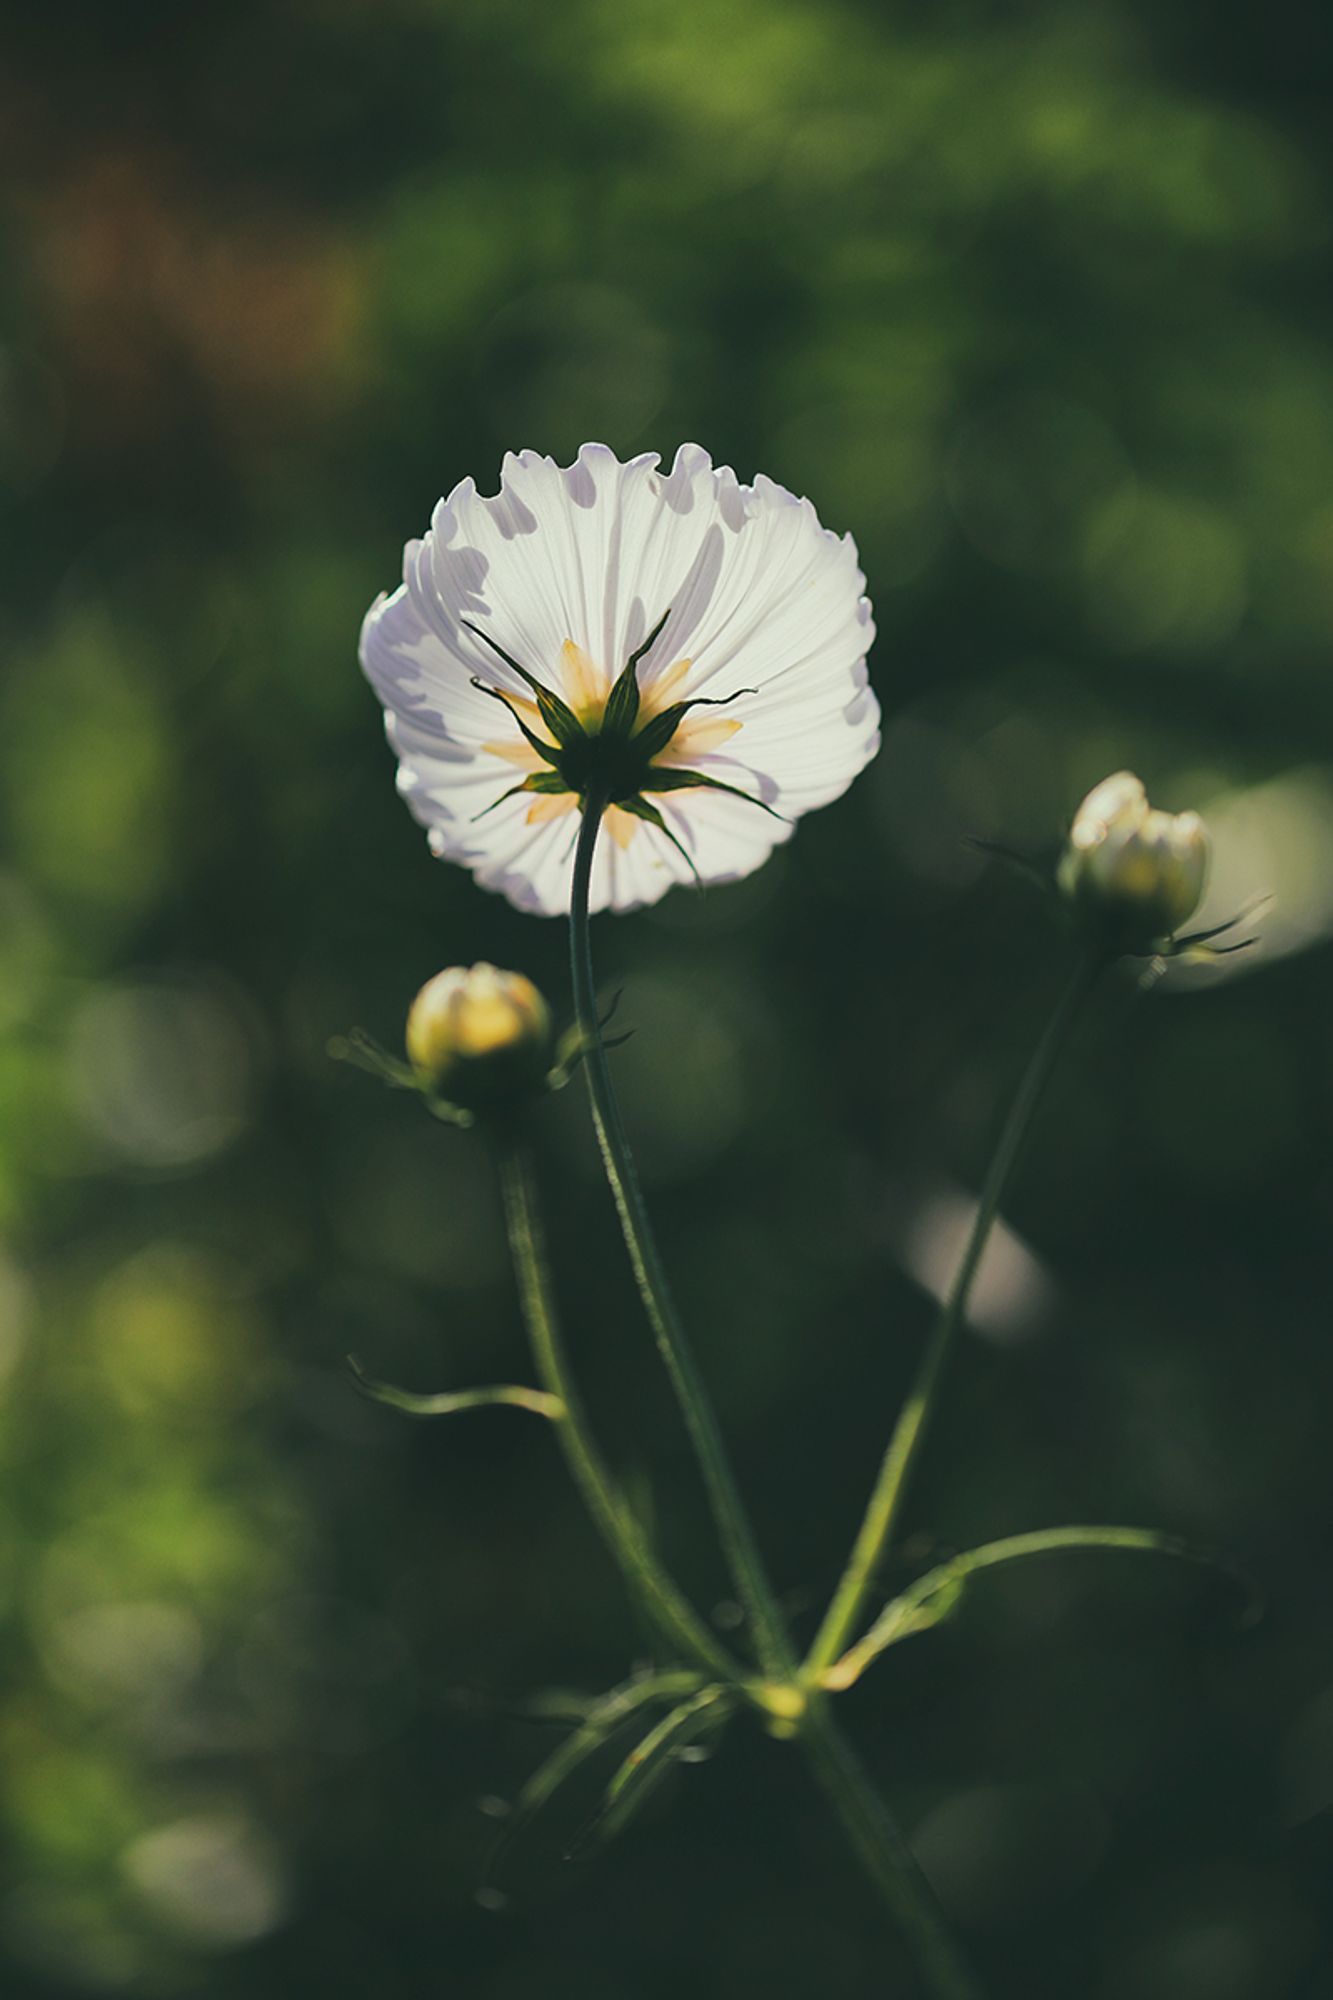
{"type": "Point", "coordinates": [742, 1553]}
{"type": "Point", "coordinates": [671, 1610]}
{"type": "Point", "coordinates": [867, 1821]}
{"type": "Point", "coordinates": [909, 1432]}
{"type": "Point", "coordinates": [884, 1855]}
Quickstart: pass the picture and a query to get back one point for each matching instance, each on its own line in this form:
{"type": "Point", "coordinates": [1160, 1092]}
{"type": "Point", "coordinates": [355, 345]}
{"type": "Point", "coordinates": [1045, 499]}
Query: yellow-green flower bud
{"type": "Point", "coordinates": [480, 1037]}
{"type": "Point", "coordinates": [1137, 871]}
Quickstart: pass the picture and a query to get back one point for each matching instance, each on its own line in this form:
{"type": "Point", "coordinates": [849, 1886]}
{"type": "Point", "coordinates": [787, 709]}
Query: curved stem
{"type": "Point", "coordinates": [909, 1432]}
{"type": "Point", "coordinates": [885, 1855]}
{"type": "Point", "coordinates": [733, 1527]}
{"type": "Point", "coordinates": [671, 1610]}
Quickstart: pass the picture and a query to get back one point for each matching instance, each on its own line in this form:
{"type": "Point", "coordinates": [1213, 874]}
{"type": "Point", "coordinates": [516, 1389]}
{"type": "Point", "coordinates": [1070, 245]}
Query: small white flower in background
{"type": "Point", "coordinates": [690, 649]}
{"type": "Point", "coordinates": [477, 1035]}
{"type": "Point", "coordinates": [1139, 871]}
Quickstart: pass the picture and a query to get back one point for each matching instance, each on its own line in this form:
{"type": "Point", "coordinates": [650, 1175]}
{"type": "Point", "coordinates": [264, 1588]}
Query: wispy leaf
{"type": "Point", "coordinates": [449, 1402]}
{"type": "Point", "coordinates": [604, 1717]}
{"type": "Point", "coordinates": [699, 1715]}
{"type": "Point", "coordinates": [935, 1596]}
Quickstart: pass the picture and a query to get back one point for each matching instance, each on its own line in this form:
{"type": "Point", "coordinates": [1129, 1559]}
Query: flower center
{"type": "Point", "coordinates": [614, 745]}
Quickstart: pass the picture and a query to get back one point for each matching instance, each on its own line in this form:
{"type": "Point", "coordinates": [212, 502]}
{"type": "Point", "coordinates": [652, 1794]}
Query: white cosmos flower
{"type": "Point", "coordinates": [518, 615]}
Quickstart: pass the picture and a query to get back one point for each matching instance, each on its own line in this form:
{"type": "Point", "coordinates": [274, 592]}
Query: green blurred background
{"type": "Point", "coordinates": [1035, 300]}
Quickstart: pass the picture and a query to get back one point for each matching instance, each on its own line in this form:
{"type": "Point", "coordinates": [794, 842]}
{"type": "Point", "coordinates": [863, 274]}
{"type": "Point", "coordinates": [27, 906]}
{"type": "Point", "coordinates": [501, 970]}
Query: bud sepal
{"type": "Point", "coordinates": [479, 1043]}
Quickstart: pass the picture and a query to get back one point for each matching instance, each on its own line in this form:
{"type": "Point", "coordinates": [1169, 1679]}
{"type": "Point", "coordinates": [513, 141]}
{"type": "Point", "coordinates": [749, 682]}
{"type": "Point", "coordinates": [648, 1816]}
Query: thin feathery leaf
{"type": "Point", "coordinates": [935, 1596]}
{"type": "Point", "coordinates": [603, 1718]}
{"type": "Point", "coordinates": [648, 1763]}
{"type": "Point", "coordinates": [554, 1704]}
{"type": "Point", "coordinates": [450, 1402]}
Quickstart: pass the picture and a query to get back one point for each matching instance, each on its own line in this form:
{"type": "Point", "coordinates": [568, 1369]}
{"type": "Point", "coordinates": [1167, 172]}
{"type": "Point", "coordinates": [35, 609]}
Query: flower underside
{"type": "Point", "coordinates": [608, 750]}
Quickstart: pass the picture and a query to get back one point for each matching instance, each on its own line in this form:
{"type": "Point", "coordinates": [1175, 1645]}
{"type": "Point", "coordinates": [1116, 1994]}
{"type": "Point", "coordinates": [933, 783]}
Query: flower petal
{"type": "Point", "coordinates": [569, 569]}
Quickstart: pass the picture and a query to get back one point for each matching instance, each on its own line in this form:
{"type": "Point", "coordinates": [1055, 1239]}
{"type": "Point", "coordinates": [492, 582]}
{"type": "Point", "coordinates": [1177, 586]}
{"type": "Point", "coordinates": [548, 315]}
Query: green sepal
{"type": "Point", "coordinates": [546, 751]}
{"type": "Point", "coordinates": [649, 1762]}
{"type": "Point", "coordinates": [641, 809]}
{"type": "Point", "coordinates": [362, 1051]}
{"type": "Point", "coordinates": [549, 782]}
{"type": "Point", "coordinates": [572, 1048]}
{"type": "Point", "coordinates": [569, 1053]}
{"type": "Point", "coordinates": [1199, 945]}
{"type": "Point", "coordinates": [447, 1113]}
{"type": "Point", "coordinates": [648, 644]}
{"type": "Point", "coordinates": [937, 1595]}
{"type": "Point", "coordinates": [574, 1044]}
{"type": "Point", "coordinates": [664, 779]}
{"type": "Point", "coordinates": [658, 731]}
{"type": "Point", "coordinates": [622, 704]}
{"type": "Point", "coordinates": [558, 716]}
{"type": "Point", "coordinates": [1247, 910]}
{"type": "Point", "coordinates": [449, 1403]}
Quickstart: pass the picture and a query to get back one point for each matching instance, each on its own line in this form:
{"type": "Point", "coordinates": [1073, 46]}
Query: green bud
{"type": "Point", "coordinates": [1136, 872]}
{"type": "Point", "coordinates": [479, 1037]}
